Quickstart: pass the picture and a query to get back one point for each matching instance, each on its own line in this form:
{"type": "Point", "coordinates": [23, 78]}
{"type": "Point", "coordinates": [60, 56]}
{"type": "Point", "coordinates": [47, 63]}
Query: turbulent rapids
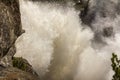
{"type": "Point", "coordinates": [62, 46]}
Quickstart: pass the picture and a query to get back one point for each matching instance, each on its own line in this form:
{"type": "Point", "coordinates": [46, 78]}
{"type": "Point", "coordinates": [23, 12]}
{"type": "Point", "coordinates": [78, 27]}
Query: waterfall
{"type": "Point", "coordinates": [60, 47]}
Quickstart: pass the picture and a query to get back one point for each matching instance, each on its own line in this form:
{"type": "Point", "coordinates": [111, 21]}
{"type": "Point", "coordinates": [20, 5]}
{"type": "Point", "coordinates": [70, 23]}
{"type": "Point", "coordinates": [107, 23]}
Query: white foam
{"type": "Point", "coordinates": [58, 47]}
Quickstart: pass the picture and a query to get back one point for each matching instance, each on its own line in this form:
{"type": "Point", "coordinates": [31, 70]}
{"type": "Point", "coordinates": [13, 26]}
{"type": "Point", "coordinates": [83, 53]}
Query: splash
{"type": "Point", "coordinates": [59, 47]}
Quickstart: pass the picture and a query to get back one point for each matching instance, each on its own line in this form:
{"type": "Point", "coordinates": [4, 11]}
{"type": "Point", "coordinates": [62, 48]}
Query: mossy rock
{"type": "Point", "coordinates": [22, 64]}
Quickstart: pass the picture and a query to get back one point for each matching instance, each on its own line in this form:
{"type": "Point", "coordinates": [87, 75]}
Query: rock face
{"type": "Point", "coordinates": [15, 74]}
{"type": "Point", "coordinates": [10, 30]}
{"type": "Point", "coordinates": [10, 26]}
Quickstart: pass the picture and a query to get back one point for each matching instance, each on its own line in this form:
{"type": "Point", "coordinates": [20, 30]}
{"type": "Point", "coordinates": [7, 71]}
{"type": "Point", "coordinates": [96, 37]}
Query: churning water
{"type": "Point", "coordinates": [60, 47]}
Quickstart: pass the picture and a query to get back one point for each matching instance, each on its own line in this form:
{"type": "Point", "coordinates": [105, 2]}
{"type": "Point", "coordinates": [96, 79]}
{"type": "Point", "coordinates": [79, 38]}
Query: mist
{"type": "Point", "coordinates": [60, 47]}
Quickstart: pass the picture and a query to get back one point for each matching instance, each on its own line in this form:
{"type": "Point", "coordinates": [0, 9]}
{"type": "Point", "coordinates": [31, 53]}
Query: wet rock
{"type": "Point", "coordinates": [21, 70]}
{"type": "Point", "coordinates": [107, 32]}
{"type": "Point", "coordinates": [16, 74]}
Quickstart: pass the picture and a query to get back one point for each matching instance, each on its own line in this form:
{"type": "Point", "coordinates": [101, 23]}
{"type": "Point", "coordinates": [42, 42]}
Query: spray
{"type": "Point", "coordinates": [59, 47]}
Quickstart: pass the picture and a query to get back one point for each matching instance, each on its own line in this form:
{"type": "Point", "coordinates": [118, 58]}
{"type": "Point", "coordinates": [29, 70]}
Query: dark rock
{"type": "Point", "coordinates": [107, 32]}
{"type": "Point", "coordinates": [10, 25]}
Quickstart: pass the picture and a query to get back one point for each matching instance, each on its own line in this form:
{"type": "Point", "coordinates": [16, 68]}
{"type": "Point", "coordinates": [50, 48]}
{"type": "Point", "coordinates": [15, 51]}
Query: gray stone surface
{"type": "Point", "coordinates": [10, 30]}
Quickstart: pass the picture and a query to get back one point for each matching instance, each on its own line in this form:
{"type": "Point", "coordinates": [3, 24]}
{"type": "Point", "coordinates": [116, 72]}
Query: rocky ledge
{"type": "Point", "coordinates": [12, 68]}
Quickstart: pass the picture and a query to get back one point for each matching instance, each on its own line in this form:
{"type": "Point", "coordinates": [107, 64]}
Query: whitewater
{"type": "Point", "coordinates": [60, 47]}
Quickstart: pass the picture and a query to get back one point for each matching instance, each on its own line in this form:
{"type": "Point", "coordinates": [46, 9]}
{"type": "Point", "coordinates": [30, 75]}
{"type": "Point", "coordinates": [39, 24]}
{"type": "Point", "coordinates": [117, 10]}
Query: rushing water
{"type": "Point", "coordinates": [60, 47]}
